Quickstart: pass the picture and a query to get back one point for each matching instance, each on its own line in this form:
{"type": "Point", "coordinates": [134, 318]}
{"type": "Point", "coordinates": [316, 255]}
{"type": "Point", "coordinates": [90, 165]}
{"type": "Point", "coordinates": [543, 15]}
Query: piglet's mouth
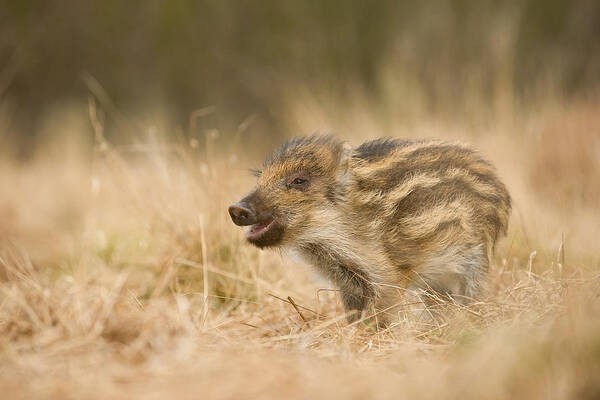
{"type": "Point", "coordinates": [258, 230]}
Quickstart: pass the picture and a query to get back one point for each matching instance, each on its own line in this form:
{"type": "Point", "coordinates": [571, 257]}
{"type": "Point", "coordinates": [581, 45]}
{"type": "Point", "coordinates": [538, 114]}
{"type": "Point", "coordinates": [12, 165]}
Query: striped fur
{"type": "Point", "coordinates": [388, 216]}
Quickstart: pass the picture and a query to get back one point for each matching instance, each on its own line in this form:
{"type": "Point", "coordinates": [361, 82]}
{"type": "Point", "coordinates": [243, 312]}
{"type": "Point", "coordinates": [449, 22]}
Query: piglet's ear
{"type": "Point", "coordinates": [345, 156]}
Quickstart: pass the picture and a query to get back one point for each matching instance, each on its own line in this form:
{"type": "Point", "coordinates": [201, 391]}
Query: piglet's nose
{"type": "Point", "coordinates": [241, 214]}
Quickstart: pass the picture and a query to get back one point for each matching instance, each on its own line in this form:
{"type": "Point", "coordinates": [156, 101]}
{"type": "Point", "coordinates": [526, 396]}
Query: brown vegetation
{"type": "Point", "coordinates": [121, 276]}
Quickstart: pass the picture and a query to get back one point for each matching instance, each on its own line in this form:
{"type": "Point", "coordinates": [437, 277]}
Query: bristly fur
{"type": "Point", "coordinates": [302, 147]}
{"type": "Point", "coordinates": [378, 148]}
{"type": "Point", "coordinates": [389, 217]}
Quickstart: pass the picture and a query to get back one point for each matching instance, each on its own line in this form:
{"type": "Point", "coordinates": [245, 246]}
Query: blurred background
{"type": "Point", "coordinates": [156, 63]}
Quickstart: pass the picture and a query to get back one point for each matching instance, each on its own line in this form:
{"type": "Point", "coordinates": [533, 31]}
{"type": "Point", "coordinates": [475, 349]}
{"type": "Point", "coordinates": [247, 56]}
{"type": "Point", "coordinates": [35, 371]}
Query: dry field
{"type": "Point", "coordinates": [122, 277]}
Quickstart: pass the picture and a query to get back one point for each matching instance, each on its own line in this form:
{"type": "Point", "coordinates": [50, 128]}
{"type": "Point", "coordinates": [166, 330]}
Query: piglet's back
{"type": "Point", "coordinates": [424, 197]}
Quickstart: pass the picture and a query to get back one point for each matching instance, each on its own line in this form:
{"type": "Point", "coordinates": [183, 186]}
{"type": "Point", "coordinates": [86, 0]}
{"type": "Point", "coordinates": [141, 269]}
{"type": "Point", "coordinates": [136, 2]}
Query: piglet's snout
{"type": "Point", "coordinates": [241, 214]}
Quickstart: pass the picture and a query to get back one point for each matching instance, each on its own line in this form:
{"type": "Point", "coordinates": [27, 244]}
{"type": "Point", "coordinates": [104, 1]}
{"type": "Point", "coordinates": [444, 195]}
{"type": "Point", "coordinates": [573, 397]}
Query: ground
{"type": "Point", "coordinates": [122, 277]}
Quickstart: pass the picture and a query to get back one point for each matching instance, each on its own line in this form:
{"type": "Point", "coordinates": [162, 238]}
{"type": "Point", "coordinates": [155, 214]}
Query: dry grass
{"type": "Point", "coordinates": [122, 277]}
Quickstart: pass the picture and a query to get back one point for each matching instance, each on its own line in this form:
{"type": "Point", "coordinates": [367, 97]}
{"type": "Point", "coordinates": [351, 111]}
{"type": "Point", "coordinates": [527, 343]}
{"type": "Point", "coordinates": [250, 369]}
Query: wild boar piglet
{"type": "Point", "coordinates": [390, 222]}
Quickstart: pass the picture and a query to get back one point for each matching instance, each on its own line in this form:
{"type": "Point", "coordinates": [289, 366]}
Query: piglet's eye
{"type": "Point", "coordinates": [298, 181]}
